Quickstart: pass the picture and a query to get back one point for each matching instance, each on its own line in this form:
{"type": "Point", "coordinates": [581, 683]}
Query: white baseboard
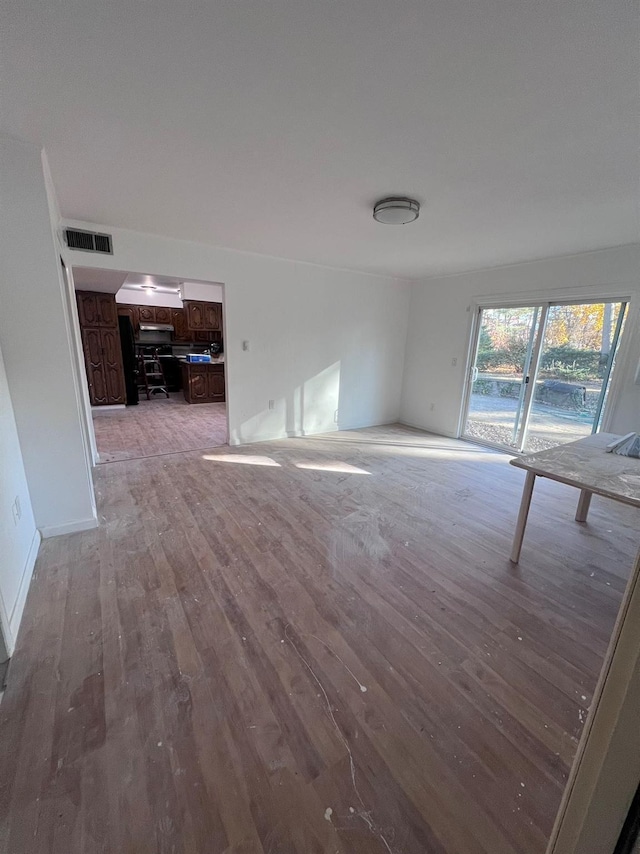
{"type": "Point", "coordinates": [431, 430]}
{"type": "Point", "coordinates": [301, 434]}
{"type": "Point", "coordinates": [69, 528]}
{"type": "Point", "coordinates": [14, 618]}
{"type": "Point", "coordinates": [96, 410]}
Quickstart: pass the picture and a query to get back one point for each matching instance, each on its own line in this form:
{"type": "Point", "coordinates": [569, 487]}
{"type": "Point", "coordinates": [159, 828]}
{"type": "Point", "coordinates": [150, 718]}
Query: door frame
{"type": "Point", "coordinates": [80, 380]}
{"type": "Point", "coordinates": [605, 771]}
{"type": "Point", "coordinates": [544, 303]}
{"type": "Point", "coordinates": [73, 325]}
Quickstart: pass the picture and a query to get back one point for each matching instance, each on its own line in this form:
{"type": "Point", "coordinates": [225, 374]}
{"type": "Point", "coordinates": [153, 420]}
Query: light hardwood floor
{"type": "Point", "coordinates": [313, 645]}
{"type": "Point", "coordinates": [159, 426]}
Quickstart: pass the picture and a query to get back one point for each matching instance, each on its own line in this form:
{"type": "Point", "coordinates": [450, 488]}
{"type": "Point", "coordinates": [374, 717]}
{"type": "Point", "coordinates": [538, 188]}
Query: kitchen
{"type": "Point", "coordinates": [153, 348]}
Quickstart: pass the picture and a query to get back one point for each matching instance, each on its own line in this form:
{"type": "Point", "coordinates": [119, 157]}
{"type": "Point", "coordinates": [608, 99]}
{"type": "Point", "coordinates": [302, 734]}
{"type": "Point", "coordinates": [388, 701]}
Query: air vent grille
{"type": "Point", "coordinates": [88, 241]}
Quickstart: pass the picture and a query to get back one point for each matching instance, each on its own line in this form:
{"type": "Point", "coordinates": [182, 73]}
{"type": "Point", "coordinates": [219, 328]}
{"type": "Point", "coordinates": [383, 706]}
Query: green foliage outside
{"type": "Point", "coordinates": [562, 362]}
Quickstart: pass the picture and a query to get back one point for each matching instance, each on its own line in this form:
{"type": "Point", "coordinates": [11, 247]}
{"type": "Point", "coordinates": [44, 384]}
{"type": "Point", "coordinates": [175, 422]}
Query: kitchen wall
{"type": "Point", "coordinates": [19, 538]}
{"type": "Point", "coordinates": [324, 348]}
{"type": "Point", "coordinates": [34, 338]}
{"type": "Point", "coordinates": [440, 317]}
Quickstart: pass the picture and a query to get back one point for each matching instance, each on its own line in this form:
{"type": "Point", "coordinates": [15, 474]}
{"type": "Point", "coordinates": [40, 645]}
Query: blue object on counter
{"type": "Point", "coordinates": [198, 357]}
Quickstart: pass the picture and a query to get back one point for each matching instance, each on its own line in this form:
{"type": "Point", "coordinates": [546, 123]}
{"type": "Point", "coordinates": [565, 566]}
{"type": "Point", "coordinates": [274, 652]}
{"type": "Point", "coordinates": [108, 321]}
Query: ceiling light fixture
{"type": "Point", "coordinates": [396, 210]}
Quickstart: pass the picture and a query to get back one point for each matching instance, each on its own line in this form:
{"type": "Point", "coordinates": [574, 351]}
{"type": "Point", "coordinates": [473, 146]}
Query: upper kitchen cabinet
{"type": "Point", "coordinates": [147, 313]}
{"type": "Point", "coordinates": [154, 314]}
{"type": "Point", "coordinates": [203, 316]}
{"type": "Point", "coordinates": [179, 321]}
{"type": "Point", "coordinates": [132, 312]}
{"type": "Point", "coordinates": [213, 316]}
{"type": "Point", "coordinates": [96, 309]}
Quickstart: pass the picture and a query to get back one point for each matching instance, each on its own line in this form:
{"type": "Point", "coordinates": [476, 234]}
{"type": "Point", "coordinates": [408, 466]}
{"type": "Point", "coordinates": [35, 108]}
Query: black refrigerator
{"type": "Point", "coordinates": [129, 362]}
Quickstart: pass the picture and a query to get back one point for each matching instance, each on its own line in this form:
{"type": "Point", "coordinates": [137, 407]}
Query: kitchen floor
{"type": "Point", "coordinates": [309, 645]}
{"type": "Point", "coordinates": [159, 426]}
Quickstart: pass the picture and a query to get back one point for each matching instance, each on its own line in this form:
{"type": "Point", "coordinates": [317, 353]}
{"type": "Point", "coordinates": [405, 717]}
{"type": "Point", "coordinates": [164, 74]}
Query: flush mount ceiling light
{"type": "Point", "coordinates": [396, 210]}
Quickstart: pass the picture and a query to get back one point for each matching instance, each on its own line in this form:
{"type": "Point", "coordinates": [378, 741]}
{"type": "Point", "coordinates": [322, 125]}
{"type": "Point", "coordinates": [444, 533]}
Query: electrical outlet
{"type": "Point", "coordinates": [272, 404]}
{"type": "Point", "coordinates": [335, 416]}
{"type": "Point", "coordinates": [454, 362]}
{"type": "Point", "coordinates": [18, 508]}
{"type": "Point", "coordinates": [432, 407]}
{"type": "Point", "coordinates": [245, 345]}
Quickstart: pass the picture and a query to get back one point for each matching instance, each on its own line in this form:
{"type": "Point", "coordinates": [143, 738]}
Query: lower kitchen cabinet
{"type": "Point", "coordinates": [203, 382]}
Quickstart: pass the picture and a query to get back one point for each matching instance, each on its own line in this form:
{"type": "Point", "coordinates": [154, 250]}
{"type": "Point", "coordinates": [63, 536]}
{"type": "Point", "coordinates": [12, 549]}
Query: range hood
{"type": "Point", "coordinates": [156, 327]}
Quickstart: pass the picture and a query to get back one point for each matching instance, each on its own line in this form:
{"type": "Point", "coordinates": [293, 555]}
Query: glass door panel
{"type": "Point", "coordinates": [574, 369]}
{"type": "Point", "coordinates": [500, 372]}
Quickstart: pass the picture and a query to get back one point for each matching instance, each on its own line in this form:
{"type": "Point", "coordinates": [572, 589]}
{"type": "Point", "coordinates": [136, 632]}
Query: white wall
{"type": "Point", "coordinates": [19, 538]}
{"type": "Point", "coordinates": [208, 291]}
{"type": "Point", "coordinates": [37, 352]}
{"type": "Point", "coordinates": [320, 339]}
{"type": "Point", "coordinates": [440, 316]}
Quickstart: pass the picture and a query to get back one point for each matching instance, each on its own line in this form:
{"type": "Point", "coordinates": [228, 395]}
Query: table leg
{"type": "Point", "coordinates": [583, 505]}
{"type": "Point", "coordinates": [521, 524]}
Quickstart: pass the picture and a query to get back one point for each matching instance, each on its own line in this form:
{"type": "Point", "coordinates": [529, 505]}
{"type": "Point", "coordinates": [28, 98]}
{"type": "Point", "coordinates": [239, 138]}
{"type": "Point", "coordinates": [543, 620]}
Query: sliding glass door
{"type": "Point", "coordinates": [540, 374]}
{"type": "Point", "coordinates": [502, 365]}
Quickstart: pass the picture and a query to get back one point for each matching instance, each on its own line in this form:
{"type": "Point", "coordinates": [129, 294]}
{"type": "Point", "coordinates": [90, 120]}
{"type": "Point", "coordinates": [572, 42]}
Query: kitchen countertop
{"type": "Point", "coordinates": [212, 362]}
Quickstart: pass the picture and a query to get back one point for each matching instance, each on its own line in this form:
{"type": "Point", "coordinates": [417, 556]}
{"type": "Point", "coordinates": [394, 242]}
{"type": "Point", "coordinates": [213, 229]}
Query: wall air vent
{"type": "Point", "coordinates": [88, 241]}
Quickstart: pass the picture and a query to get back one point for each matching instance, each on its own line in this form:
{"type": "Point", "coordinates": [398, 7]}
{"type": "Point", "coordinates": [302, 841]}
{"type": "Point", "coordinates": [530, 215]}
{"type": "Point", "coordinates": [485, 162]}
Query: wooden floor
{"type": "Point", "coordinates": [313, 645]}
{"type": "Point", "coordinates": [159, 426]}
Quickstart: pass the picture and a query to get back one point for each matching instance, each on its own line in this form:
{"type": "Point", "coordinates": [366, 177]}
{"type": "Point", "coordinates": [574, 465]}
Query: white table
{"type": "Point", "coordinates": [586, 465]}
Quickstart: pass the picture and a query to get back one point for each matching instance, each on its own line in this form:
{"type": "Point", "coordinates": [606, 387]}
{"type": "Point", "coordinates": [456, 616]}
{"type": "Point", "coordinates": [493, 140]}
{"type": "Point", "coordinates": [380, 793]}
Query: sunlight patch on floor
{"type": "Point", "coordinates": [241, 460]}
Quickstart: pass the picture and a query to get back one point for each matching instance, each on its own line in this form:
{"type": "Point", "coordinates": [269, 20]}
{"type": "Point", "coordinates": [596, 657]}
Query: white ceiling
{"type": "Point", "coordinates": [101, 281]}
{"type": "Point", "coordinates": [273, 125]}
{"type": "Point", "coordinates": [111, 281]}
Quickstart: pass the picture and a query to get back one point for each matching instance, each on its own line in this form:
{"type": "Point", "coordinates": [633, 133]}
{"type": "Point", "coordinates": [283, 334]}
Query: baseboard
{"type": "Point", "coordinates": [16, 614]}
{"type": "Point", "coordinates": [69, 528]}
{"type": "Point", "coordinates": [427, 429]}
{"type": "Point", "coordinates": [301, 434]}
{"type": "Point", "coordinates": [107, 408]}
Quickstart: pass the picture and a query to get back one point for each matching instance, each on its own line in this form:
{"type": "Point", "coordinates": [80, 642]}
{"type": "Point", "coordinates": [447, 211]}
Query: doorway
{"type": "Point", "coordinates": [154, 360]}
{"type": "Point", "coordinates": [540, 374]}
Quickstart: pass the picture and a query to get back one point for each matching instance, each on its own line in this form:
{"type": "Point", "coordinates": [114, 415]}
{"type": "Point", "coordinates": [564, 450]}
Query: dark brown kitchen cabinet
{"type": "Point", "coordinates": [212, 316]}
{"type": "Point", "coordinates": [203, 382]}
{"type": "Point", "coordinates": [179, 321]}
{"type": "Point", "coordinates": [215, 384]}
{"type": "Point", "coordinates": [103, 360]}
{"type": "Point", "coordinates": [94, 362]}
{"type": "Point", "coordinates": [203, 316]}
{"type": "Point", "coordinates": [195, 315]}
{"type": "Point", "coordinates": [98, 315]}
{"type": "Point", "coordinates": [96, 309]}
{"type": "Point", "coordinates": [147, 313]}
{"type": "Point", "coordinates": [112, 356]}
{"type": "Point", "coordinates": [197, 385]}
{"type": "Point", "coordinates": [132, 312]}
{"type": "Point", "coordinates": [107, 310]}
{"type": "Point", "coordinates": [154, 313]}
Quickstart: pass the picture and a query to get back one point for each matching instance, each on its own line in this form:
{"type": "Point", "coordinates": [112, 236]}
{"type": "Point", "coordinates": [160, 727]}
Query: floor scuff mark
{"type": "Point", "coordinates": [363, 813]}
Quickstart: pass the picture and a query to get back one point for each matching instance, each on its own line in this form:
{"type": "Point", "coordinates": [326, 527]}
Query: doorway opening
{"type": "Point", "coordinates": [540, 374]}
{"type": "Point", "coordinates": [154, 359]}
